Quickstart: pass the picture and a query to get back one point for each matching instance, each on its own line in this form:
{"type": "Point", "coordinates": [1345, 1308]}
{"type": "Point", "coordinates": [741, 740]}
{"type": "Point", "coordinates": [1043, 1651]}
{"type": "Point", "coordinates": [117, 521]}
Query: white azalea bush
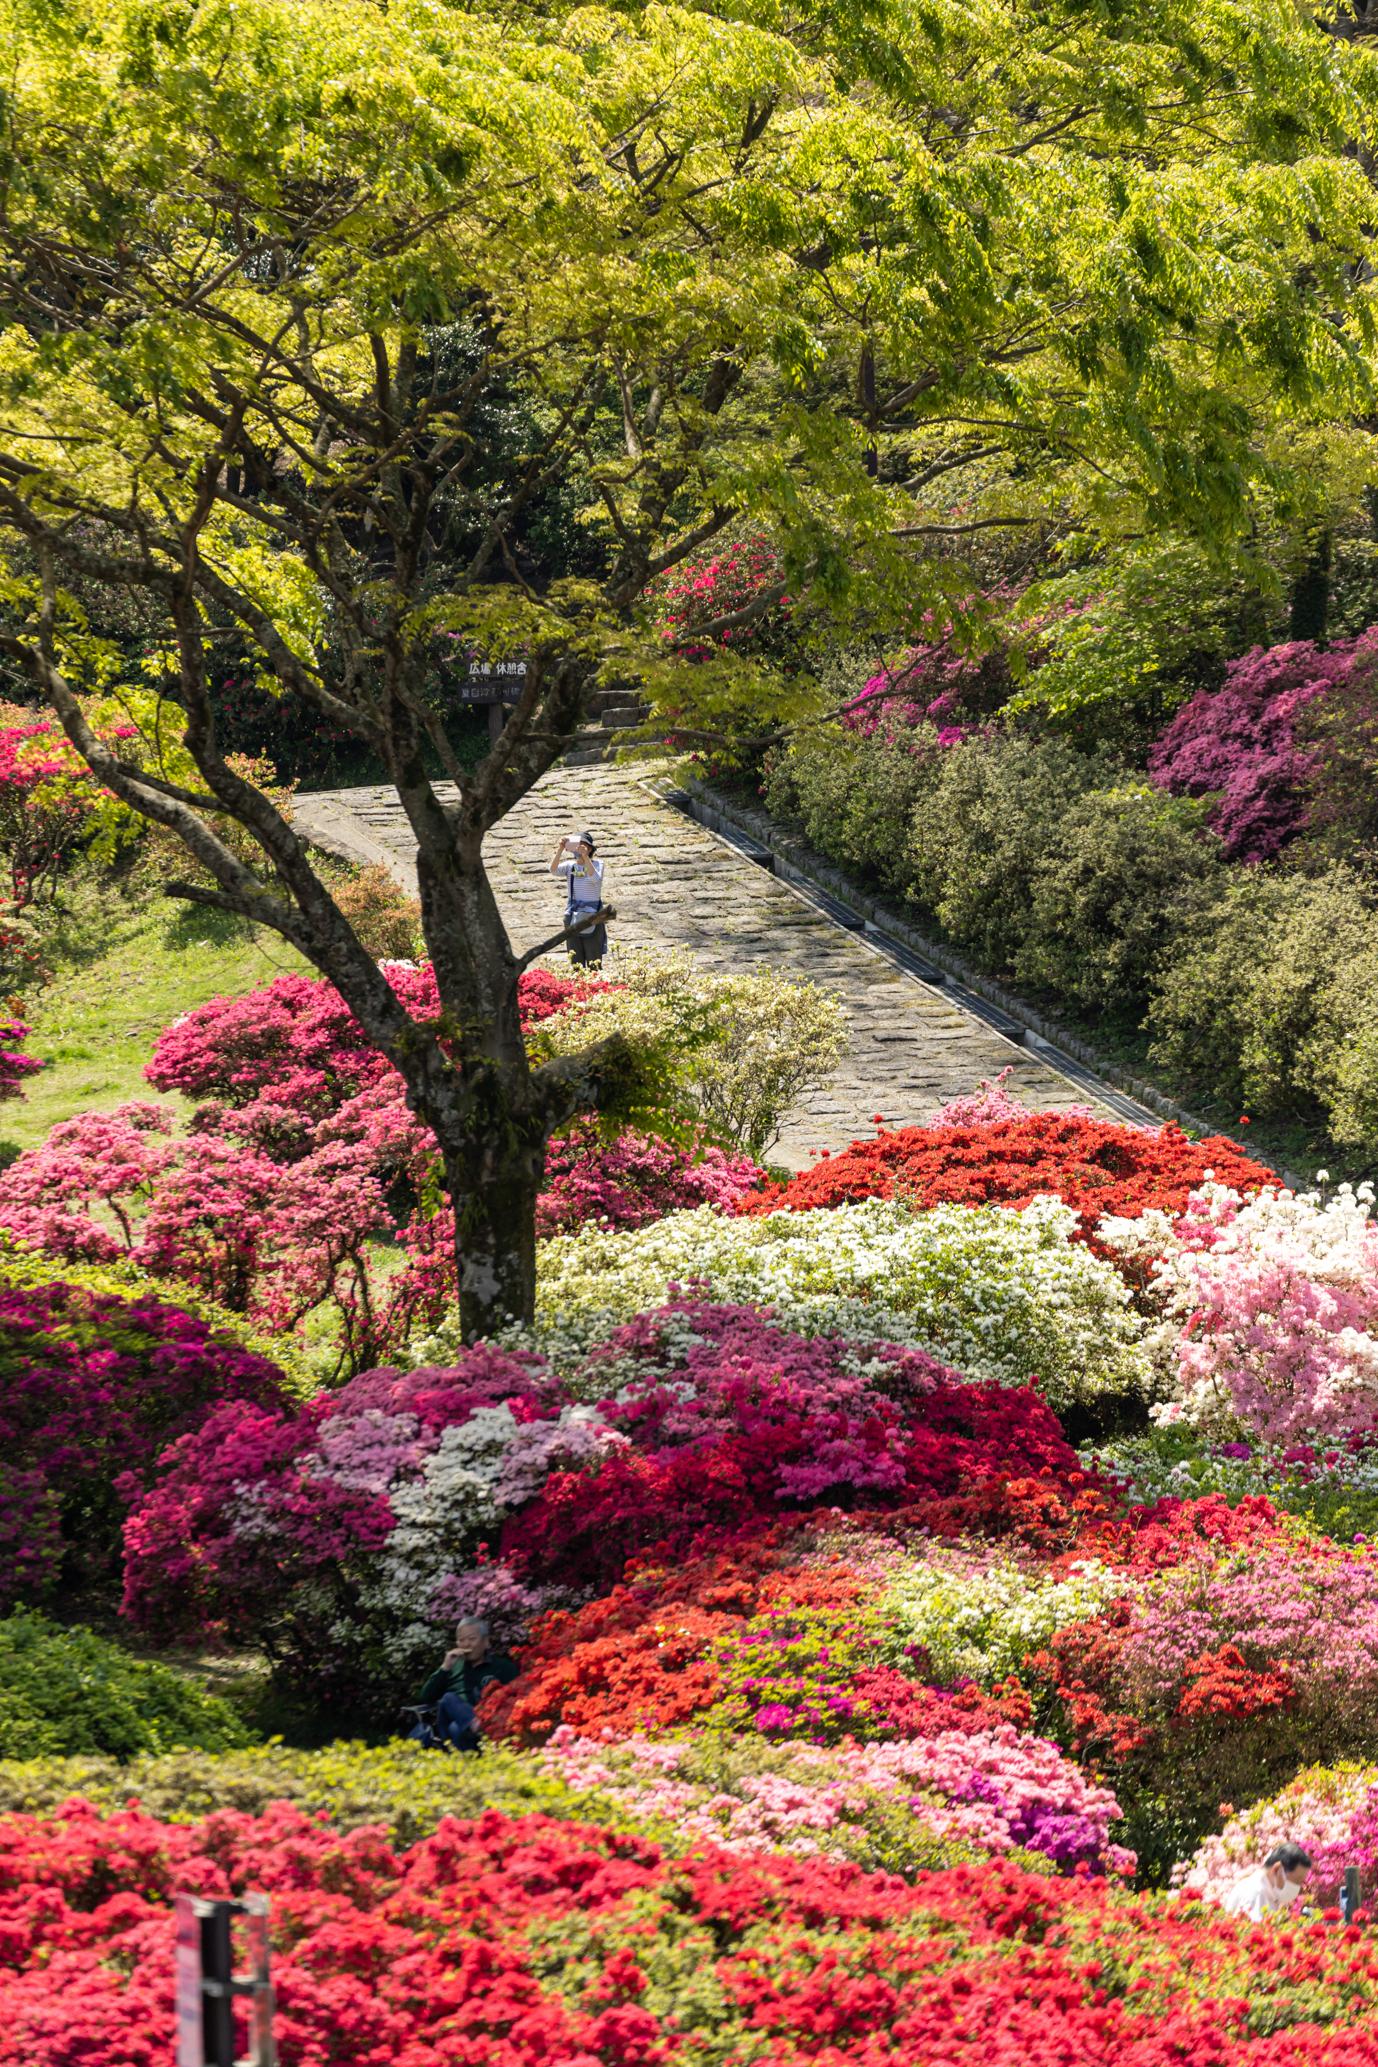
{"type": "Point", "coordinates": [976, 1614]}
{"type": "Point", "coordinates": [1005, 1297]}
{"type": "Point", "coordinates": [1267, 1311]}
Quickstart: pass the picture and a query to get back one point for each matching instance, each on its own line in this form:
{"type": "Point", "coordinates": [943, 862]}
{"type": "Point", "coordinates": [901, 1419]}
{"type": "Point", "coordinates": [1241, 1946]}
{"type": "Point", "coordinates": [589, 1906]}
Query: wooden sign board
{"type": "Point", "coordinates": [492, 681]}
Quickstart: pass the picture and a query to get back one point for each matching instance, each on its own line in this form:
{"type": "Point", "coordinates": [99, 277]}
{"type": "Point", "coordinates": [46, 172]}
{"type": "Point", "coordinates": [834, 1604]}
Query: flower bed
{"type": "Point", "coordinates": [356, 1521]}
{"type": "Point", "coordinates": [520, 1942]}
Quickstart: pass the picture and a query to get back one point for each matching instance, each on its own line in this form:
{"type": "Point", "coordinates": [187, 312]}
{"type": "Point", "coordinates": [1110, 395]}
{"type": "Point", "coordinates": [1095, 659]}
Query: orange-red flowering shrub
{"type": "Point", "coordinates": [1095, 1166]}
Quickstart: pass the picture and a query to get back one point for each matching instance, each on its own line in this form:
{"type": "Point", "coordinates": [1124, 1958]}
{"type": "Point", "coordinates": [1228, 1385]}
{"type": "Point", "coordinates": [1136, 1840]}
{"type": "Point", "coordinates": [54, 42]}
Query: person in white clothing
{"type": "Point", "coordinates": [576, 861]}
{"type": "Point", "coordinates": [1271, 1886]}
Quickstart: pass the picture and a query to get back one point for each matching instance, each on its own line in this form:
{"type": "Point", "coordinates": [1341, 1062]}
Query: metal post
{"type": "Point", "coordinates": [207, 1983]}
{"type": "Point", "coordinates": [217, 1986]}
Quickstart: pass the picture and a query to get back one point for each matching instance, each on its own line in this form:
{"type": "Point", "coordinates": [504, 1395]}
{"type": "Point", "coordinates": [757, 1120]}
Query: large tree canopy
{"type": "Point", "coordinates": [872, 278]}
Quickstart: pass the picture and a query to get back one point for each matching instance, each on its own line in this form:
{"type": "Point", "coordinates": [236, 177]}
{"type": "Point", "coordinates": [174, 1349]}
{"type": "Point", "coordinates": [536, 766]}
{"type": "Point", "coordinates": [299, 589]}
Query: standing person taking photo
{"type": "Point", "coordinates": [583, 874]}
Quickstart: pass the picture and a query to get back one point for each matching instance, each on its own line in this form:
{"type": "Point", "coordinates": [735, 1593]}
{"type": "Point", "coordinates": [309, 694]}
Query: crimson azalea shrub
{"type": "Point", "coordinates": [1240, 742]}
{"type": "Point", "coordinates": [92, 1387]}
{"type": "Point", "coordinates": [519, 1942]}
{"type": "Point", "coordinates": [726, 1415]}
{"type": "Point", "coordinates": [1095, 1166]}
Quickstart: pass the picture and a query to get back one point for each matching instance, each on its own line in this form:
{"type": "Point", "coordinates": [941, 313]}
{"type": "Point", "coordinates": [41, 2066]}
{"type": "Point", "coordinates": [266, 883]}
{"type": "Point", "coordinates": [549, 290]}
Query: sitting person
{"type": "Point", "coordinates": [455, 1688]}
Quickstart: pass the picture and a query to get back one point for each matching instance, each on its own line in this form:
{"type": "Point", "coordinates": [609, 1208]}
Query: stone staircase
{"type": "Point", "coordinates": [611, 712]}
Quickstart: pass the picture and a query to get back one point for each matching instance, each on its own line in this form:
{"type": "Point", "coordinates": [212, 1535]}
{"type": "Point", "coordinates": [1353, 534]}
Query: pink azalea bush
{"type": "Point", "coordinates": [47, 800]}
{"type": "Point", "coordinates": [295, 1041]}
{"type": "Point", "coordinates": [303, 1156]}
{"type": "Point", "coordinates": [996, 1789]}
{"type": "Point", "coordinates": [1241, 740]}
{"type": "Point", "coordinates": [15, 1065]}
{"type": "Point", "coordinates": [1268, 1310]}
{"type": "Point", "coordinates": [269, 1239]}
{"type": "Point", "coordinates": [635, 1178]}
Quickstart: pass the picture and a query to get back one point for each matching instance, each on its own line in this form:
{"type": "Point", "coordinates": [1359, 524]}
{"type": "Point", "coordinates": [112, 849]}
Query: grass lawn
{"type": "Point", "coordinates": [126, 961]}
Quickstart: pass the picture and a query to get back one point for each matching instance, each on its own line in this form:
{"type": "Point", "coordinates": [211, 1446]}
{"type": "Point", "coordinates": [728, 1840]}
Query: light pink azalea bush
{"type": "Point", "coordinates": [274, 1240]}
{"type": "Point", "coordinates": [1268, 1310]}
{"type": "Point", "coordinates": [997, 1790]}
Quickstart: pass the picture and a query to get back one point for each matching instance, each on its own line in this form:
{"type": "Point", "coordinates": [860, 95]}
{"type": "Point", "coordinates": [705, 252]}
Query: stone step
{"type": "Point", "coordinates": [622, 714]}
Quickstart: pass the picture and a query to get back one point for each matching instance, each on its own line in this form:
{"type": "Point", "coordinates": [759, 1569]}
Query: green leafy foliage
{"type": "Point", "coordinates": [70, 1693]}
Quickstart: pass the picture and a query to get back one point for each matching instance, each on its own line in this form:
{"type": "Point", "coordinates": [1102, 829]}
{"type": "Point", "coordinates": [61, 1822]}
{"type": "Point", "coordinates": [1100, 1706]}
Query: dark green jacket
{"type": "Point", "coordinates": [469, 1680]}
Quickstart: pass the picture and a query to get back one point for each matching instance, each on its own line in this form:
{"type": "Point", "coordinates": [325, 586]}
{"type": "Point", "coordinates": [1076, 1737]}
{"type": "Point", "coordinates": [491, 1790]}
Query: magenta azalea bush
{"type": "Point", "coordinates": [92, 1388]}
{"type": "Point", "coordinates": [1241, 741]}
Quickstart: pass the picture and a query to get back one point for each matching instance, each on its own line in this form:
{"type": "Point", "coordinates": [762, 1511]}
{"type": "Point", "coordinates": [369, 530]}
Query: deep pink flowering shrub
{"type": "Point", "coordinates": [336, 1534]}
{"type": "Point", "coordinates": [296, 1042]}
{"type": "Point", "coordinates": [15, 1065]}
{"type": "Point", "coordinates": [634, 1179]}
{"type": "Point", "coordinates": [1241, 740]}
{"type": "Point", "coordinates": [727, 1416]}
{"type": "Point", "coordinates": [92, 1388]}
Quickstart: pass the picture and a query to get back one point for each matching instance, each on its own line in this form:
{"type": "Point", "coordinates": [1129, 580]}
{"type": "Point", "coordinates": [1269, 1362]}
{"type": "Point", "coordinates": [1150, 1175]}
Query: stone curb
{"type": "Point", "coordinates": [796, 862]}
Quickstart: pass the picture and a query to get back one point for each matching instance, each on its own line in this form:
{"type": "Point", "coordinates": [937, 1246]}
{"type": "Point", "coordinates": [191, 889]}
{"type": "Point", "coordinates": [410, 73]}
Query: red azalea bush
{"type": "Point", "coordinates": [528, 1942]}
{"type": "Point", "coordinates": [1095, 1166]}
{"type": "Point", "coordinates": [1243, 741]}
{"type": "Point", "coordinates": [92, 1388]}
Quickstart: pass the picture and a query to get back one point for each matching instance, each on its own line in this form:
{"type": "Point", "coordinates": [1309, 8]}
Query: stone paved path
{"type": "Point", "coordinates": [675, 884]}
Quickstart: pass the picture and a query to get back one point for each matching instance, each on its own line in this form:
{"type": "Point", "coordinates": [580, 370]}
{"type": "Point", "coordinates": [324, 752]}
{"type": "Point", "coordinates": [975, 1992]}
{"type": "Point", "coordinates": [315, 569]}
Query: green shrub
{"type": "Point", "coordinates": [1268, 1004]}
{"type": "Point", "coordinates": [854, 797]}
{"type": "Point", "coordinates": [69, 1691]}
{"type": "Point", "coordinates": [980, 837]}
{"type": "Point", "coordinates": [401, 1785]}
{"type": "Point", "coordinates": [1125, 872]}
{"type": "Point", "coordinates": [731, 1054]}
